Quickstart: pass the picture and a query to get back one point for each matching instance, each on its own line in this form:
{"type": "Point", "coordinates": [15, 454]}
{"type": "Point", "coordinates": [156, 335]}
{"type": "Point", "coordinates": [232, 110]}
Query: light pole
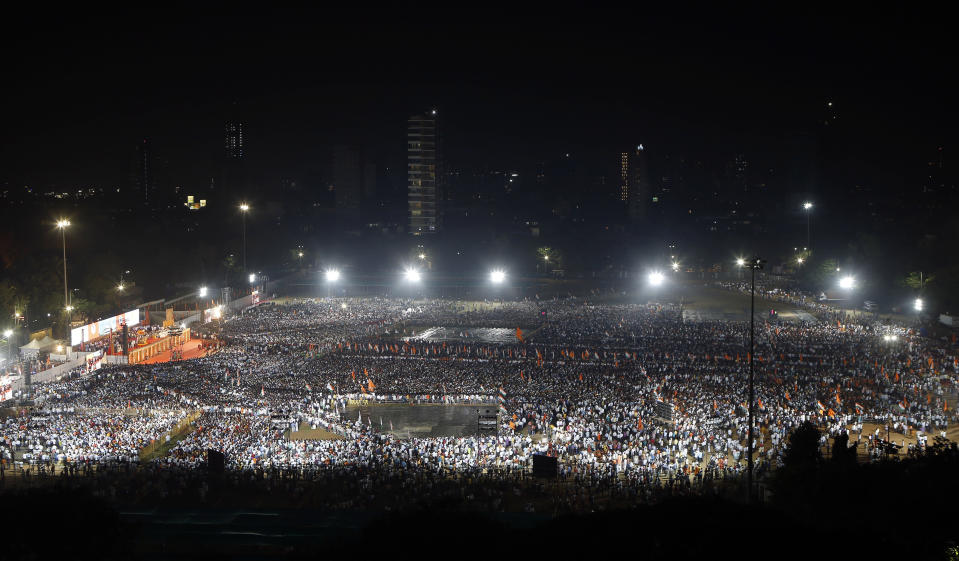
{"type": "Point", "coordinates": [62, 225]}
{"type": "Point", "coordinates": [244, 208]}
{"type": "Point", "coordinates": [754, 264]}
{"type": "Point", "coordinates": [6, 335]}
{"type": "Point", "coordinates": [807, 206]}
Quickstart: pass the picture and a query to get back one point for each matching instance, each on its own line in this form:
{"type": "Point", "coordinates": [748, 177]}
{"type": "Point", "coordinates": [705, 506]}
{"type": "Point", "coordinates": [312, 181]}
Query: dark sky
{"type": "Point", "coordinates": [79, 94]}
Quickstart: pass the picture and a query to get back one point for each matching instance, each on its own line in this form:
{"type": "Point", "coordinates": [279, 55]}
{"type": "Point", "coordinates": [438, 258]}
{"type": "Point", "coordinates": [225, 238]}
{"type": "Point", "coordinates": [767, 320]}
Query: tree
{"type": "Point", "coordinates": [917, 280]}
{"type": "Point", "coordinates": [842, 453]}
{"type": "Point", "coordinates": [803, 448]}
{"type": "Point", "coordinates": [549, 256]}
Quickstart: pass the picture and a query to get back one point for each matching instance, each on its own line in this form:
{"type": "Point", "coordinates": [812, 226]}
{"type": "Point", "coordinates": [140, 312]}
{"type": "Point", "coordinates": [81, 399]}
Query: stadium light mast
{"type": "Point", "coordinates": [62, 225]}
{"type": "Point", "coordinates": [807, 206]}
{"type": "Point", "coordinates": [754, 264]}
{"type": "Point", "coordinates": [244, 208]}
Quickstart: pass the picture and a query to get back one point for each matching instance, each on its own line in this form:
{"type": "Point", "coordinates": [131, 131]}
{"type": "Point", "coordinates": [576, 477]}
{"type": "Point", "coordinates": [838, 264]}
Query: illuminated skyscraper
{"type": "Point", "coordinates": [424, 174]}
{"type": "Point", "coordinates": [233, 142]}
{"type": "Point", "coordinates": [634, 182]}
{"type": "Point", "coordinates": [141, 175]}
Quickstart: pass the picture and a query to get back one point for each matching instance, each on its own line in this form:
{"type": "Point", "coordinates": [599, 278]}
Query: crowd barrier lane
{"type": "Point", "coordinates": [181, 427]}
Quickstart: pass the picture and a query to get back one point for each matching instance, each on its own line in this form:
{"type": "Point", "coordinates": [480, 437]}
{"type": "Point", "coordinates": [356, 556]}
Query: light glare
{"type": "Point", "coordinates": [332, 275]}
{"type": "Point", "coordinates": [497, 276]}
{"type": "Point", "coordinates": [412, 275]}
{"type": "Point", "coordinates": [847, 282]}
{"type": "Point", "coordinates": [656, 278]}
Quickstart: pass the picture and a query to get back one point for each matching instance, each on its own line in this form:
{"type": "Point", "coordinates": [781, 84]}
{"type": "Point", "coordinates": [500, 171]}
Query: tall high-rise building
{"type": "Point", "coordinates": [233, 141]}
{"type": "Point", "coordinates": [141, 175]}
{"type": "Point", "coordinates": [347, 177]}
{"type": "Point", "coordinates": [424, 174]}
{"type": "Point", "coordinates": [634, 185]}
{"type": "Point", "coordinates": [234, 179]}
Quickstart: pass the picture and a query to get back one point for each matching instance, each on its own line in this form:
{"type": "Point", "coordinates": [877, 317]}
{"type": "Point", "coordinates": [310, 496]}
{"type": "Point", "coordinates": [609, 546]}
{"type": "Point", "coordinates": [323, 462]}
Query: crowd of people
{"type": "Point", "coordinates": [631, 399]}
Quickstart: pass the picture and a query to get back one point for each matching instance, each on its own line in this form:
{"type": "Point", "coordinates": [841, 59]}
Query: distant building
{"type": "Point", "coordinates": [233, 141]}
{"type": "Point", "coordinates": [354, 178]}
{"type": "Point", "coordinates": [233, 177]}
{"type": "Point", "coordinates": [425, 178]}
{"type": "Point", "coordinates": [634, 184]}
{"type": "Point", "coordinates": [141, 175]}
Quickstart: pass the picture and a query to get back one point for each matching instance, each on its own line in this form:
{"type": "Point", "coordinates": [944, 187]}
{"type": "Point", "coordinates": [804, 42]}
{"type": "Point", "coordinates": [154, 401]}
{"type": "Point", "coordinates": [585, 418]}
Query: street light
{"type": "Point", "coordinates": [497, 276]}
{"type": "Point", "coordinates": [807, 206]}
{"type": "Point", "coordinates": [656, 278]}
{"type": "Point", "coordinates": [847, 283]}
{"type": "Point", "coordinates": [203, 292]}
{"type": "Point", "coordinates": [252, 278]}
{"type": "Point", "coordinates": [918, 304]}
{"type": "Point", "coordinates": [675, 266]}
{"type": "Point", "coordinates": [62, 224]}
{"type": "Point", "coordinates": [244, 208]}
{"type": "Point", "coordinates": [799, 260]}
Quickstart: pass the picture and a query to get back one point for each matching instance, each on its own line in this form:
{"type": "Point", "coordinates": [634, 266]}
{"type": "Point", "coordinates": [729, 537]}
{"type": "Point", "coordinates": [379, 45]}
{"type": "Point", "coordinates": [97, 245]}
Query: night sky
{"type": "Point", "coordinates": [80, 93]}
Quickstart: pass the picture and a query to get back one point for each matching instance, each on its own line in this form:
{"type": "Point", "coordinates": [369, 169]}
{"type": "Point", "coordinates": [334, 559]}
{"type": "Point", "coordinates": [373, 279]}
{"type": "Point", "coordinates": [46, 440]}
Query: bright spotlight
{"type": "Point", "coordinates": [807, 205]}
{"type": "Point", "coordinates": [675, 266]}
{"type": "Point", "coordinates": [847, 282]}
{"type": "Point", "coordinates": [8, 333]}
{"type": "Point", "coordinates": [918, 304]}
{"type": "Point", "coordinates": [120, 287]}
{"type": "Point", "coordinates": [332, 275]}
{"type": "Point", "coordinates": [202, 292]}
{"type": "Point", "coordinates": [343, 305]}
{"type": "Point", "coordinates": [799, 260]}
{"type": "Point", "coordinates": [741, 262]}
{"type": "Point", "coordinates": [69, 308]}
{"type": "Point", "coordinates": [63, 223]}
{"type": "Point", "coordinates": [656, 278]}
{"type": "Point", "coordinates": [497, 276]}
{"type": "Point", "coordinates": [422, 256]}
{"type": "Point", "coordinates": [412, 275]}
{"type": "Point", "coordinates": [252, 278]}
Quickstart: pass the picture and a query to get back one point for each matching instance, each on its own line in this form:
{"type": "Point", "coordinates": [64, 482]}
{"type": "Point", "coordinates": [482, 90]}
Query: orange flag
{"type": "Point", "coordinates": [519, 334]}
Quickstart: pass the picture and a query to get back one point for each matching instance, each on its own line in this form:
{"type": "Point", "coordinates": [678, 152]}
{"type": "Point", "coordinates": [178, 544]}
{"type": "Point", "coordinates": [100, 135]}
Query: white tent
{"type": "Point", "coordinates": [34, 347]}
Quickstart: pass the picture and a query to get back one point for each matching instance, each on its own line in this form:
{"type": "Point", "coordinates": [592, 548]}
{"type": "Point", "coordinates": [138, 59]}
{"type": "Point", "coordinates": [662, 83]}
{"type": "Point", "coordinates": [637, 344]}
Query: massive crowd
{"type": "Point", "coordinates": [628, 396]}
